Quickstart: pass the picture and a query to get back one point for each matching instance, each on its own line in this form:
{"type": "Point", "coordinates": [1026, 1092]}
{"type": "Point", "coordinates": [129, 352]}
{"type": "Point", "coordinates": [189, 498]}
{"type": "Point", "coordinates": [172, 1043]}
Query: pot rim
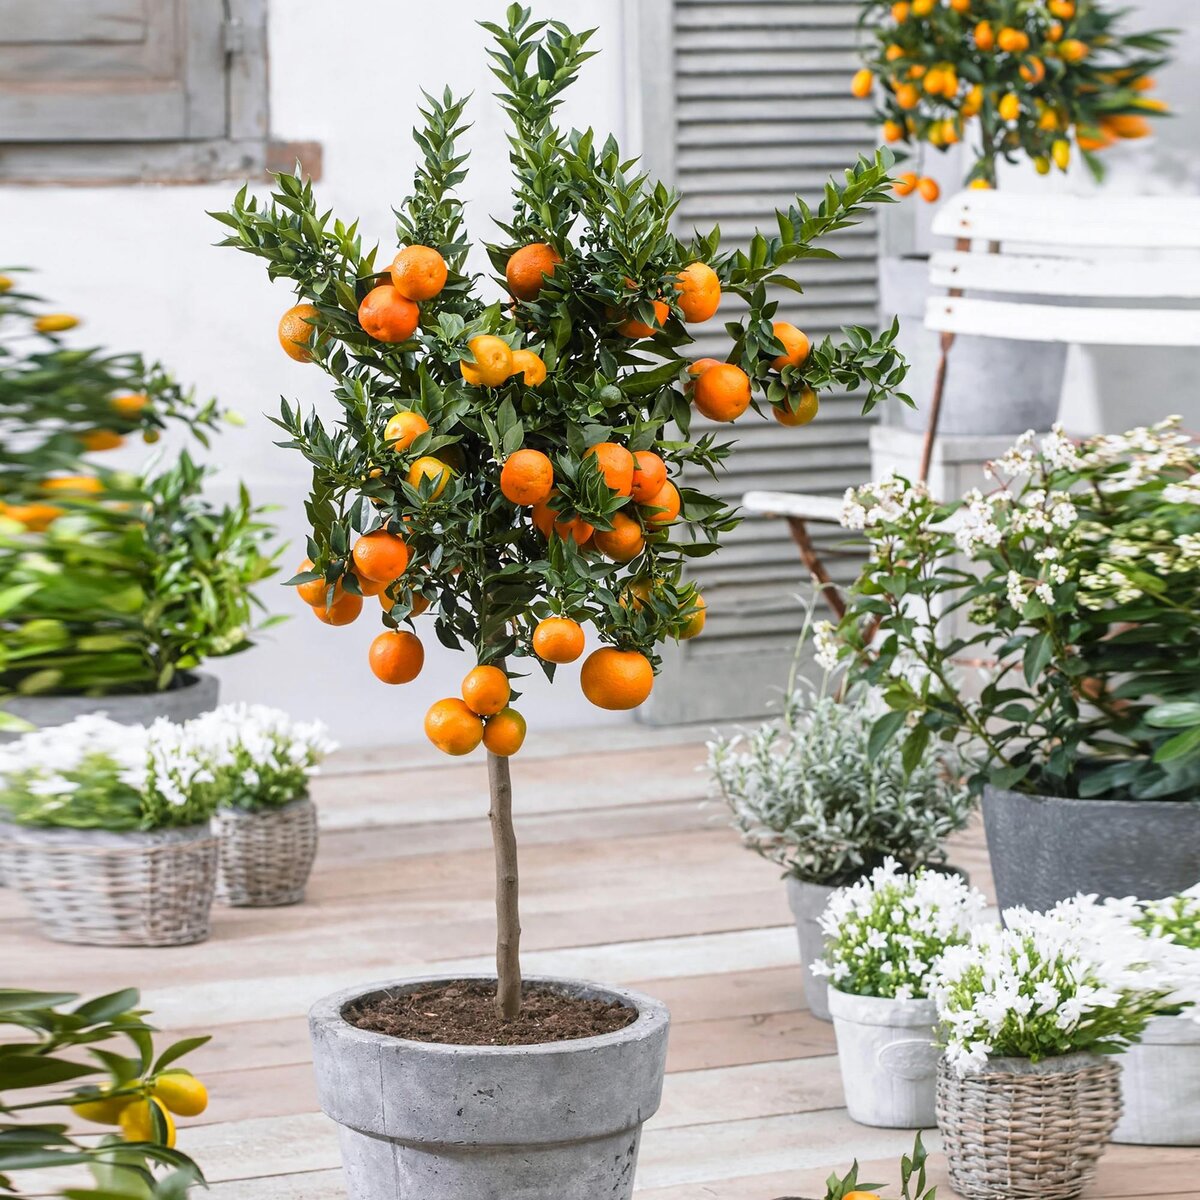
{"type": "Point", "coordinates": [652, 1016]}
{"type": "Point", "coordinates": [1058, 1064]}
{"type": "Point", "coordinates": [919, 1012]}
{"type": "Point", "coordinates": [1170, 1029]}
{"type": "Point", "coordinates": [197, 832]}
{"type": "Point", "coordinates": [266, 810]}
{"type": "Point", "coordinates": [1085, 802]}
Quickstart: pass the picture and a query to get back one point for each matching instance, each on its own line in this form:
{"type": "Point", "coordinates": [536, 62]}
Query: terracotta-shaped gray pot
{"type": "Point", "coordinates": [1047, 848]}
{"type": "Point", "coordinates": [556, 1121]}
{"type": "Point", "coordinates": [807, 902]}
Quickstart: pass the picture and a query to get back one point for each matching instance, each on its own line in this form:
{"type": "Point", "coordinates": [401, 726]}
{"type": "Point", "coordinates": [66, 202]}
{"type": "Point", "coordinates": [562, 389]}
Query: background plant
{"type": "Point", "coordinates": [601, 322]}
{"type": "Point", "coordinates": [912, 1179]}
{"type": "Point", "coordinates": [99, 1057]}
{"type": "Point", "coordinates": [1079, 596]}
{"type": "Point", "coordinates": [1010, 79]}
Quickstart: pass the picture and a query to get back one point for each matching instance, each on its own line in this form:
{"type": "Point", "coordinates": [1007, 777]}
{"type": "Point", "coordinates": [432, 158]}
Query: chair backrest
{"type": "Point", "coordinates": [1024, 251]}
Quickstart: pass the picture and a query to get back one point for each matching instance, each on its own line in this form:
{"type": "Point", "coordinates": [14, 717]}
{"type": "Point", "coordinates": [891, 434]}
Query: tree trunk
{"type": "Point", "coordinates": [508, 918]}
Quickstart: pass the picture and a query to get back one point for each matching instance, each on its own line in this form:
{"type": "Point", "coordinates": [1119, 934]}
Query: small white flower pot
{"type": "Point", "coordinates": [888, 1059]}
{"type": "Point", "coordinates": [1160, 1085]}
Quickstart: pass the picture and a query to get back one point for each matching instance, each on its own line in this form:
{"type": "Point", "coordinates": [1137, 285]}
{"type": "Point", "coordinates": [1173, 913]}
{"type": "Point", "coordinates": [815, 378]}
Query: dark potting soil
{"type": "Point", "coordinates": [464, 1014]}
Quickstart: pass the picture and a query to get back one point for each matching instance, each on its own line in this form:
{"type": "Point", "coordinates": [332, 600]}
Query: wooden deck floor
{"type": "Point", "coordinates": [625, 878]}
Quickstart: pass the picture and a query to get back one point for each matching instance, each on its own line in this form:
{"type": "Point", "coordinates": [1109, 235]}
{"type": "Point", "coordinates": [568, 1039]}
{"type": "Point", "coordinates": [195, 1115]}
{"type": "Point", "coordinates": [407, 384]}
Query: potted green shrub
{"type": "Point", "coordinates": [118, 584]}
{"type": "Point", "coordinates": [261, 761]}
{"type": "Point", "coordinates": [108, 836]}
{"type": "Point", "coordinates": [883, 936]}
{"type": "Point", "coordinates": [813, 794]}
{"type": "Point", "coordinates": [1062, 657]}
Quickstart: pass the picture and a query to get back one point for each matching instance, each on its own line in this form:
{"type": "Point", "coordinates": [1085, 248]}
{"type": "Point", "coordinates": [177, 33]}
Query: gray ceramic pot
{"type": "Point", "coordinates": [1047, 848]}
{"type": "Point", "coordinates": [198, 694]}
{"type": "Point", "coordinates": [807, 902]}
{"type": "Point", "coordinates": [557, 1121]}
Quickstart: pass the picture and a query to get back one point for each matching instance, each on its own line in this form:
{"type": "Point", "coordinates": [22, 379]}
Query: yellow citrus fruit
{"type": "Point", "coordinates": [103, 1110]}
{"type": "Point", "coordinates": [452, 727]}
{"type": "Point", "coordinates": [55, 323]}
{"type": "Point", "coordinates": [130, 404]}
{"type": "Point", "coordinates": [428, 467]}
{"type": "Point", "coordinates": [493, 361]}
{"type": "Point", "coordinates": [137, 1122]}
{"type": "Point", "coordinates": [182, 1093]}
{"type": "Point", "coordinates": [862, 83]}
{"type": "Point", "coordinates": [695, 622]}
{"type": "Point", "coordinates": [801, 415]}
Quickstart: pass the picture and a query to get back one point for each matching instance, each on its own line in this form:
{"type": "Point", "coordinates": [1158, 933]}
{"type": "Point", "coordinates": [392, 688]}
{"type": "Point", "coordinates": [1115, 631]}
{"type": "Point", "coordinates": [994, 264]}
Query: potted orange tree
{"type": "Point", "coordinates": [508, 464]}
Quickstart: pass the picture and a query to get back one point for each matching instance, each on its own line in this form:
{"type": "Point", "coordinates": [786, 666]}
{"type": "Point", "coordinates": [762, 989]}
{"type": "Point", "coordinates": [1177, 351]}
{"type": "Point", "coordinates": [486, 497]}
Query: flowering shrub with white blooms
{"type": "Point", "coordinates": [1046, 985]}
{"type": "Point", "coordinates": [884, 933]}
{"type": "Point", "coordinates": [1072, 584]}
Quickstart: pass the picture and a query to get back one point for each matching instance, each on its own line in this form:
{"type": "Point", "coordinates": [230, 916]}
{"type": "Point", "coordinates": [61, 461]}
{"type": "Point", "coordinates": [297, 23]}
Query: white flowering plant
{"type": "Point", "coordinates": [884, 933]}
{"type": "Point", "coordinates": [259, 757]}
{"type": "Point", "coordinates": [1073, 585]}
{"type": "Point", "coordinates": [1070, 980]}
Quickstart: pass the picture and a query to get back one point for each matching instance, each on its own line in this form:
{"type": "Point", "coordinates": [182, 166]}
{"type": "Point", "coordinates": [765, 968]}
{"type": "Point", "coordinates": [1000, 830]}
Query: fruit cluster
{"type": "Point", "coordinates": [1036, 79]}
{"type": "Point", "coordinates": [146, 1112]}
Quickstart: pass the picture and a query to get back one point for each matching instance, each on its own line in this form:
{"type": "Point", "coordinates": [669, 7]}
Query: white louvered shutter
{"type": "Point", "coordinates": [761, 112]}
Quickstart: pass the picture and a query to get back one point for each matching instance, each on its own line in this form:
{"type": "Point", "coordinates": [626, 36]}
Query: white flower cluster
{"type": "Point", "coordinates": [1145, 453]}
{"type": "Point", "coordinates": [884, 933]}
{"type": "Point", "coordinates": [827, 647]}
{"type": "Point", "coordinates": [882, 502]}
{"type": "Point", "coordinates": [47, 760]}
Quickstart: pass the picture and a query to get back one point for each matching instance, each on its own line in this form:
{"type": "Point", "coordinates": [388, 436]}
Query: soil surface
{"type": "Point", "coordinates": [464, 1014]}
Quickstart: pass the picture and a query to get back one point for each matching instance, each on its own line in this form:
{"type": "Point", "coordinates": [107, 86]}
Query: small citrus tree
{"type": "Point", "coordinates": [1013, 79]}
{"type": "Point", "coordinates": [517, 463]}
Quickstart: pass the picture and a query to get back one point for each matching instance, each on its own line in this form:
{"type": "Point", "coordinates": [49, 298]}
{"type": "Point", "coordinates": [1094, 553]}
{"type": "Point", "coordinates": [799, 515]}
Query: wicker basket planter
{"type": "Point", "coordinates": [266, 855]}
{"type": "Point", "coordinates": [1027, 1131]}
{"type": "Point", "coordinates": [115, 889]}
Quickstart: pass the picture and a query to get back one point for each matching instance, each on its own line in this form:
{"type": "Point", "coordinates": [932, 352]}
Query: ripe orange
{"type": "Point", "coordinates": [404, 428]}
{"type": "Point", "coordinates": [372, 587]}
{"type": "Point", "coordinates": [493, 361]}
{"type": "Point", "coordinates": [296, 331]}
{"type": "Point", "coordinates": [527, 477]}
{"type": "Point", "coordinates": [624, 542]}
{"type": "Point", "coordinates": [344, 609]}
{"type": "Point", "coordinates": [616, 465]}
{"type": "Point", "coordinates": [1014, 41]}
{"type": "Point", "coordinates": [486, 690]}
{"type": "Point", "coordinates": [73, 485]}
{"type": "Point", "coordinates": [387, 315]}
{"type": "Point", "coordinates": [649, 474]}
{"type": "Point", "coordinates": [695, 622]}
{"type": "Point", "coordinates": [558, 640]}
{"type": "Point", "coordinates": [985, 37]}
{"type": "Point", "coordinates": [807, 409]}
{"type": "Point", "coordinates": [862, 83]}
{"type": "Point", "coordinates": [380, 556]}
{"type": "Point", "coordinates": [396, 656]}
{"type": "Point", "coordinates": [130, 404]}
{"type": "Point", "coordinates": [1072, 50]}
{"type": "Point", "coordinates": [631, 327]}
{"type": "Point", "coordinates": [929, 189]}
{"type": "Point", "coordinates": [428, 467]}
{"type": "Point", "coordinates": [696, 370]}
{"type": "Point", "coordinates": [36, 516]}
{"type": "Point", "coordinates": [796, 346]}
{"type": "Point", "coordinates": [892, 132]}
{"type": "Point", "coordinates": [699, 292]}
{"type": "Point", "coordinates": [900, 11]}
{"type": "Point", "coordinates": [504, 734]}
{"type": "Point", "coordinates": [313, 592]}
{"type": "Point", "coordinates": [906, 183]}
{"type": "Point", "coordinates": [1034, 71]}
{"type": "Point", "coordinates": [907, 96]}
{"type": "Point", "coordinates": [1063, 9]}
{"type": "Point", "coordinates": [418, 273]}
{"type": "Point", "coordinates": [55, 323]}
{"type": "Point", "coordinates": [1126, 125]}
{"type": "Point", "coordinates": [616, 679]}
{"type": "Point", "coordinates": [101, 439]}
{"type": "Point", "coordinates": [1009, 107]}
{"type": "Point", "coordinates": [529, 366]}
{"type": "Point", "coordinates": [546, 519]}
{"type": "Point", "coordinates": [452, 727]}
{"type": "Point", "coordinates": [861, 1195]}
{"type": "Point", "coordinates": [723, 392]}
{"type": "Point", "coordinates": [668, 501]}
{"type": "Point", "coordinates": [527, 266]}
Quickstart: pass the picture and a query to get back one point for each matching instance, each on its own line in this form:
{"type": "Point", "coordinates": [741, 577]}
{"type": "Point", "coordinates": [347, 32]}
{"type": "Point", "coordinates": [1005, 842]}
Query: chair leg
{"type": "Point", "coordinates": [816, 568]}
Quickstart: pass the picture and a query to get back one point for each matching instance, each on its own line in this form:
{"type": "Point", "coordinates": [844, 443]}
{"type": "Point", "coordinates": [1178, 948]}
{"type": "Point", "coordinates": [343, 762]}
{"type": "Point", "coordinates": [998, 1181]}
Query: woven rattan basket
{"type": "Point", "coordinates": [1027, 1131]}
{"type": "Point", "coordinates": [266, 855]}
{"type": "Point", "coordinates": [115, 889]}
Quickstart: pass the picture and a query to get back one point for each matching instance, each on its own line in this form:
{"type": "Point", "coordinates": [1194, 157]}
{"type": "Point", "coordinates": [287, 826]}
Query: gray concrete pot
{"type": "Point", "coordinates": [888, 1059]}
{"type": "Point", "coordinates": [198, 694]}
{"type": "Point", "coordinates": [1160, 1085]}
{"type": "Point", "coordinates": [557, 1121]}
{"type": "Point", "coordinates": [1047, 848]}
{"type": "Point", "coordinates": [807, 902]}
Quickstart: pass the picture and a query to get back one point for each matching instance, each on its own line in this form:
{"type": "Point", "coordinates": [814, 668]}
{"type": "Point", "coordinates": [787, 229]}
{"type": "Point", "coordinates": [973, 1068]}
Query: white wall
{"type": "Point", "coordinates": [139, 266]}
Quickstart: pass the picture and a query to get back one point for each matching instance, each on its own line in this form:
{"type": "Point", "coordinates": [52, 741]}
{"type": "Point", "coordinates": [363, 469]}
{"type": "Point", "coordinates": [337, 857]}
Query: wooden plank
{"type": "Point", "coordinates": [794, 504]}
{"type": "Point", "coordinates": [109, 21]}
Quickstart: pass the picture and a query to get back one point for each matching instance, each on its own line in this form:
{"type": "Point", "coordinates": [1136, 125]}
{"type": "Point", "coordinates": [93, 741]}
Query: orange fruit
{"type": "Point", "coordinates": [695, 622]}
{"type": "Point", "coordinates": [36, 516]}
{"type": "Point", "coordinates": [558, 640]}
{"type": "Point", "coordinates": [73, 485]}
{"type": "Point", "coordinates": [546, 519]}
{"type": "Point", "coordinates": [862, 83]}
{"type": "Point", "coordinates": [892, 132]}
{"type": "Point", "coordinates": [526, 267]}
{"type": "Point", "coordinates": [1009, 107]}
{"type": "Point", "coordinates": [631, 327]}
{"type": "Point", "coordinates": [623, 542]}
{"type": "Point", "coordinates": [452, 727]}
{"type": "Point", "coordinates": [313, 592]}
{"type": "Point", "coordinates": [861, 1195]}
{"type": "Point", "coordinates": [699, 292]}
{"type": "Point", "coordinates": [372, 587]}
{"type": "Point", "coordinates": [418, 273]}
{"type": "Point", "coordinates": [504, 734]}
{"type": "Point", "coordinates": [985, 37]}
{"type": "Point", "coordinates": [101, 439]}
{"type": "Point", "coordinates": [616, 465]}
{"type": "Point", "coordinates": [55, 323]}
{"type": "Point", "coordinates": [929, 189]}
{"type": "Point", "coordinates": [1072, 50]}
{"type": "Point", "coordinates": [796, 346]}
{"type": "Point", "coordinates": [801, 415]}
{"type": "Point", "coordinates": [1126, 125]}
{"type": "Point", "coordinates": [344, 609]}
{"type": "Point", "coordinates": [1034, 71]}
{"type": "Point", "coordinates": [419, 602]}
{"type": "Point", "coordinates": [723, 392]}
{"type": "Point", "coordinates": [130, 404]}
{"type": "Point", "coordinates": [616, 679]}
{"type": "Point", "coordinates": [696, 370]}
{"type": "Point", "coordinates": [527, 477]}
{"type": "Point", "coordinates": [649, 474]}
{"type": "Point", "coordinates": [404, 428]}
{"type": "Point", "coordinates": [907, 96]}
{"type": "Point", "coordinates": [667, 499]}
{"type": "Point", "coordinates": [906, 183]}
{"type": "Point", "coordinates": [900, 11]}
{"type": "Point", "coordinates": [529, 366]}
{"type": "Point", "coordinates": [380, 557]}
{"type": "Point", "coordinates": [428, 467]}
{"type": "Point", "coordinates": [296, 331]}
{"type": "Point", "coordinates": [387, 315]}
{"type": "Point", "coordinates": [1014, 41]}
{"type": "Point", "coordinates": [486, 690]}
{"type": "Point", "coordinates": [396, 656]}
{"type": "Point", "coordinates": [493, 361]}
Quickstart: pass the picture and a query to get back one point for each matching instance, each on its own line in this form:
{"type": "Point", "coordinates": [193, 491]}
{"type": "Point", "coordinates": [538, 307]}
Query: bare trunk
{"type": "Point", "coordinates": [508, 917]}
